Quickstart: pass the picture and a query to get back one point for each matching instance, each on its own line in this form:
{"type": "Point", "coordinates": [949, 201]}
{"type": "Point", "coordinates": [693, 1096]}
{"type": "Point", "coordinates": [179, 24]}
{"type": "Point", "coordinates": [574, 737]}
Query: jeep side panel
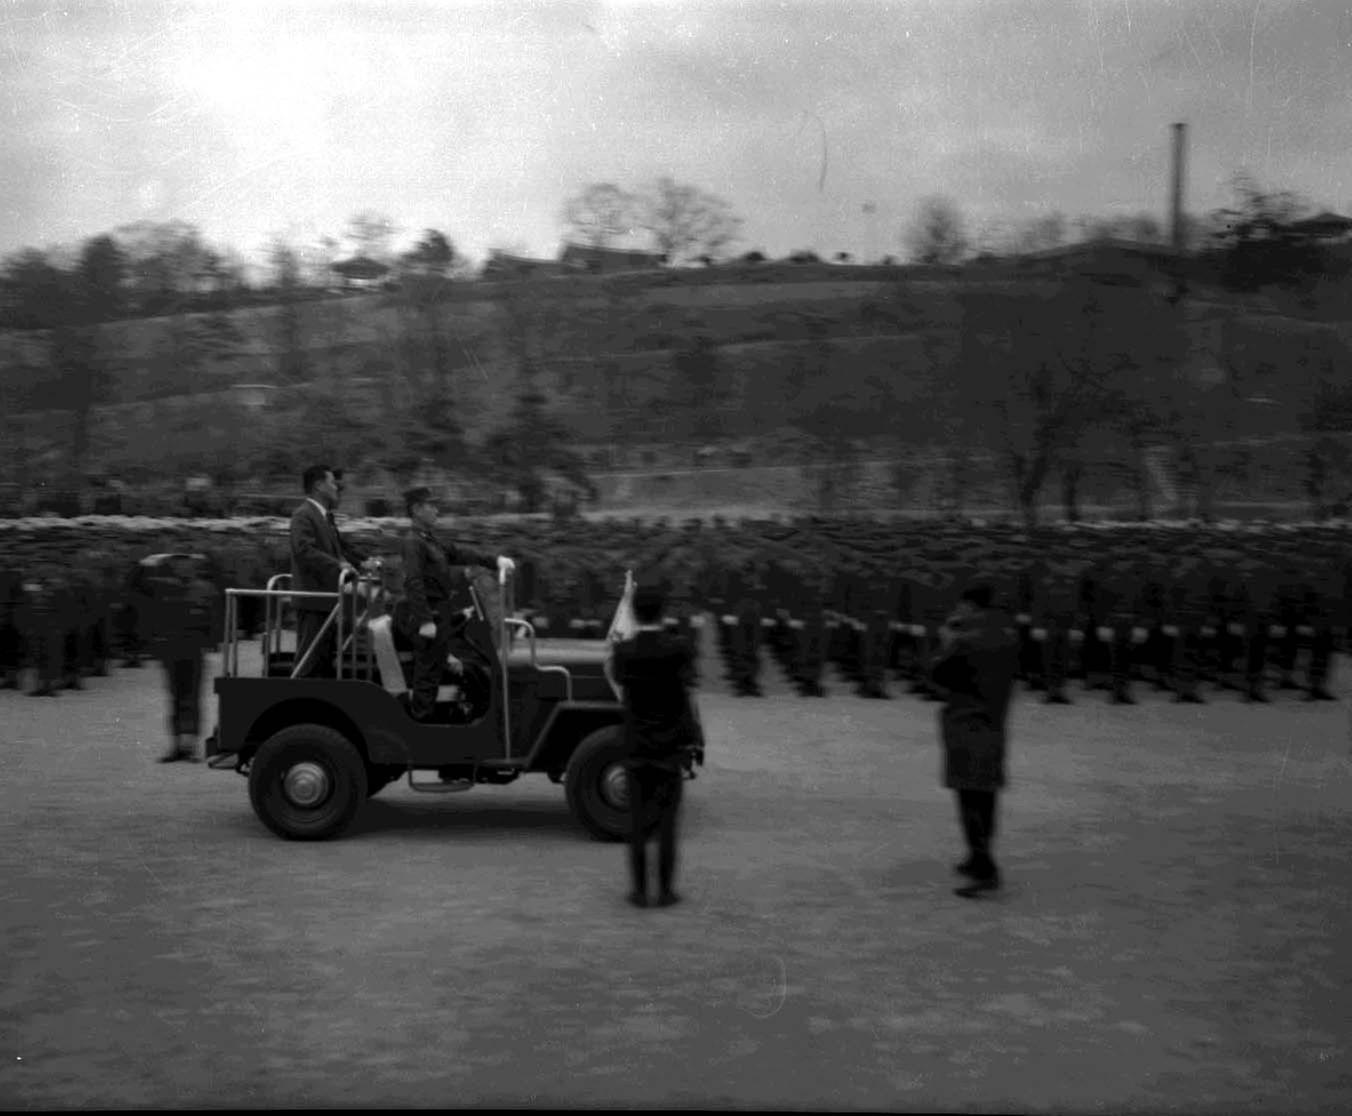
{"type": "Point", "coordinates": [564, 726]}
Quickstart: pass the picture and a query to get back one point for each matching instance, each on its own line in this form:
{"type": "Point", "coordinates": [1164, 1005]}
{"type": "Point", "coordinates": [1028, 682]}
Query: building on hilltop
{"type": "Point", "coordinates": [1105, 259]}
{"type": "Point", "coordinates": [504, 265]}
{"type": "Point", "coordinates": [606, 261]}
{"type": "Point", "coordinates": [360, 272]}
{"type": "Point", "coordinates": [1326, 227]}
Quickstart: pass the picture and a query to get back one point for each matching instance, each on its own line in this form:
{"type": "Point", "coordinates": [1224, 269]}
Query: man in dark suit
{"type": "Point", "coordinates": [318, 558]}
{"type": "Point", "coordinates": [975, 672]}
{"type": "Point", "coordinates": [654, 669]}
{"type": "Point", "coordinates": [429, 613]}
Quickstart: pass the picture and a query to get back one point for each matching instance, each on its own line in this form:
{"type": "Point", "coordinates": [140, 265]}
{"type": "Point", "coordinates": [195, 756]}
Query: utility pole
{"type": "Point", "coordinates": [1176, 201]}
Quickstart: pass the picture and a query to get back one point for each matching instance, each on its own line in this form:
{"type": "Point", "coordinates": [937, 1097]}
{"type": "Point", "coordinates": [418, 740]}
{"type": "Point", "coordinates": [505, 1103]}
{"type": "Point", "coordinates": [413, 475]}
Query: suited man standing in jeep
{"type": "Point", "coordinates": [434, 578]}
{"type": "Point", "coordinates": [318, 557]}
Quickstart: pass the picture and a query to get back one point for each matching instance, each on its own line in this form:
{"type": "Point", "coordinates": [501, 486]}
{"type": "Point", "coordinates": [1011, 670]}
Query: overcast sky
{"type": "Point", "coordinates": [286, 117]}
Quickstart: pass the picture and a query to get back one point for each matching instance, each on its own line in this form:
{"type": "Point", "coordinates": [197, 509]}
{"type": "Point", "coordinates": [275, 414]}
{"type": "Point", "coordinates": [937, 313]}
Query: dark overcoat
{"type": "Point", "coordinates": [976, 675]}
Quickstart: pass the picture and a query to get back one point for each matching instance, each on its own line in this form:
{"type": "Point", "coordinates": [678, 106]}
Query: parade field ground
{"type": "Point", "coordinates": [1175, 934]}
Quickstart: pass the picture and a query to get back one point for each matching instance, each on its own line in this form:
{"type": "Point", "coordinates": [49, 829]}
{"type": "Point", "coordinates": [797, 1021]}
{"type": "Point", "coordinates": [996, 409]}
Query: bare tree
{"type": "Point", "coordinates": [1041, 233]}
{"type": "Point", "coordinates": [936, 235]}
{"type": "Point", "coordinates": [685, 221]}
{"type": "Point", "coordinates": [167, 264]}
{"type": "Point", "coordinates": [292, 357]}
{"type": "Point", "coordinates": [371, 233]}
{"type": "Point", "coordinates": [433, 256]}
{"type": "Point", "coordinates": [601, 214]}
{"type": "Point", "coordinates": [1033, 374]}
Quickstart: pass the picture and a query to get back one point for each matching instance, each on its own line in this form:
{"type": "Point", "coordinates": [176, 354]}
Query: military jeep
{"type": "Point", "coordinates": [315, 748]}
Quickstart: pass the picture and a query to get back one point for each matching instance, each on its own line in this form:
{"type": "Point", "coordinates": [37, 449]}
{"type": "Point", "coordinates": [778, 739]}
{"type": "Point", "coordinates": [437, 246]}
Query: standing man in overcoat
{"type": "Point", "coordinates": [654, 671]}
{"type": "Point", "coordinates": [975, 674]}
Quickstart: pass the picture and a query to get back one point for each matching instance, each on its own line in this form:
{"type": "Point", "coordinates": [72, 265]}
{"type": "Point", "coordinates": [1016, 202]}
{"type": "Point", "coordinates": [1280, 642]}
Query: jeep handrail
{"type": "Point", "coordinates": [551, 668]}
{"type": "Point", "coordinates": [503, 653]}
{"type": "Point", "coordinates": [272, 628]}
{"type": "Point", "coordinates": [349, 582]}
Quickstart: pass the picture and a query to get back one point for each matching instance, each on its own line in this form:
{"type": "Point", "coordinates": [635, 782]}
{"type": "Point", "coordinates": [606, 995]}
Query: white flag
{"type": "Point", "coordinates": [622, 626]}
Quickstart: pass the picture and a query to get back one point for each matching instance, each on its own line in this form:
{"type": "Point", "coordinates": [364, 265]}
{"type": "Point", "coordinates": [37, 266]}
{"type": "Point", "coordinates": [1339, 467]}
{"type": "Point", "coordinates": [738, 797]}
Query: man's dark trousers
{"type": "Point", "coordinates": [429, 666]}
{"type": "Point", "coordinates": [183, 671]}
{"type": "Point", "coordinates": [308, 623]}
{"type": "Point", "coordinates": [652, 785]}
{"type": "Point", "coordinates": [976, 810]}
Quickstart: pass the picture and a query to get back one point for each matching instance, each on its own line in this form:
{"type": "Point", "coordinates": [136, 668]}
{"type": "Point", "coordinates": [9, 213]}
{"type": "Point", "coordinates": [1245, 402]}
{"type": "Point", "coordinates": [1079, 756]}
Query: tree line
{"type": "Point", "coordinates": [1023, 384]}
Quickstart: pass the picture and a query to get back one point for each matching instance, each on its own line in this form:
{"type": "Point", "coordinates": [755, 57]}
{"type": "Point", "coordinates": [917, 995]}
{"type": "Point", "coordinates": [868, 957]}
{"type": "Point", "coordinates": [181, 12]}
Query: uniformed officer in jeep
{"type": "Point", "coordinates": [430, 613]}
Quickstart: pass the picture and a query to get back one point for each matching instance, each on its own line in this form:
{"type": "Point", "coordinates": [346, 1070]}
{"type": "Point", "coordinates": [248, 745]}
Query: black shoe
{"type": "Point", "coordinates": [667, 899]}
{"type": "Point", "coordinates": [1056, 699]}
{"type": "Point", "coordinates": [978, 887]}
{"type": "Point", "coordinates": [637, 899]}
{"type": "Point", "coordinates": [1318, 693]}
{"type": "Point", "coordinates": [1256, 695]}
{"type": "Point", "coordinates": [1123, 699]}
{"type": "Point", "coordinates": [43, 691]}
{"type": "Point", "coordinates": [171, 757]}
{"type": "Point", "coordinates": [133, 664]}
{"type": "Point", "coordinates": [1189, 699]}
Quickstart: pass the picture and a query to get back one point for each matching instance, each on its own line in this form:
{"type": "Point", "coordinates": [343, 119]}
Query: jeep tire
{"type": "Point", "coordinates": [595, 785]}
{"type": "Point", "coordinates": [307, 782]}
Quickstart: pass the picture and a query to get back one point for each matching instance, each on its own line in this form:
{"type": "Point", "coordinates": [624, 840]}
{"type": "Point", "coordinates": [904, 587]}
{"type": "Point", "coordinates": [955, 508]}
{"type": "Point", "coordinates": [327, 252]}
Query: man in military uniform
{"type": "Point", "coordinates": [1026, 578]}
{"type": "Point", "coordinates": [433, 588]}
{"type": "Point", "coordinates": [1155, 608]}
{"type": "Point", "coordinates": [1117, 605]}
{"type": "Point", "coordinates": [1290, 609]}
{"type": "Point", "coordinates": [1255, 591]}
{"type": "Point", "coordinates": [810, 629]}
{"type": "Point", "coordinates": [11, 638]}
{"type": "Point", "coordinates": [183, 602]}
{"type": "Point", "coordinates": [1190, 601]}
{"type": "Point", "coordinates": [41, 622]}
{"type": "Point", "coordinates": [1059, 598]}
{"type": "Point", "coordinates": [127, 623]}
{"type": "Point", "coordinates": [1321, 593]}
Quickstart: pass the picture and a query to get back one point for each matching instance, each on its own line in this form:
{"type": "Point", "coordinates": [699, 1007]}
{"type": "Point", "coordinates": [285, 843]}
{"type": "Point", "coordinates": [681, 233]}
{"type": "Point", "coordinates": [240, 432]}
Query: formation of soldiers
{"type": "Point", "coordinates": [1258, 609]}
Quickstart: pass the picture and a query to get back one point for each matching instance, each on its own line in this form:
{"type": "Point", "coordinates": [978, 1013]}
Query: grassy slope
{"type": "Point", "coordinates": [885, 336]}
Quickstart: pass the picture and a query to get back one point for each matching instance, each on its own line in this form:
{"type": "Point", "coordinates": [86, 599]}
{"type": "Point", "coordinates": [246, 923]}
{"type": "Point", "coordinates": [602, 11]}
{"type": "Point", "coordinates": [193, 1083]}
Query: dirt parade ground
{"type": "Point", "coordinates": [1175, 933]}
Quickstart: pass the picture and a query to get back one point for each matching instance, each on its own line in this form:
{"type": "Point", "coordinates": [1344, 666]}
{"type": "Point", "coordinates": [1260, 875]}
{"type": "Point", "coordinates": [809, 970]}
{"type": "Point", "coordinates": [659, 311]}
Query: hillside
{"type": "Point", "coordinates": [604, 352]}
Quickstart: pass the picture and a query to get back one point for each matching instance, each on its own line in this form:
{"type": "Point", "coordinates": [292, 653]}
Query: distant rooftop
{"type": "Point", "coordinates": [1112, 243]}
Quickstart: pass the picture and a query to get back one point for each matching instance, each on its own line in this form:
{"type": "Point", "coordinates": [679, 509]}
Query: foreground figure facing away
{"type": "Point", "coordinates": [654, 669]}
{"type": "Point", "coordinates": [975, 673]}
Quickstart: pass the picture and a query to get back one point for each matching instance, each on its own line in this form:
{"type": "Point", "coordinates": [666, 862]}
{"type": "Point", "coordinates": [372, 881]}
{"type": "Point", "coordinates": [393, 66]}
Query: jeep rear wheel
{"type": "Point", "coordinates": [307, 782]}
{"type": "Point", "coordinates": [597, 787]}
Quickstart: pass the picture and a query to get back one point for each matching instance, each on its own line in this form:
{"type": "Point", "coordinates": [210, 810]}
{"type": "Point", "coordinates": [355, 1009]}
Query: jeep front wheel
{"type": "Point", "coordinates": [597, 787]}
{"type": "Point", "coordinates": [307, 782]}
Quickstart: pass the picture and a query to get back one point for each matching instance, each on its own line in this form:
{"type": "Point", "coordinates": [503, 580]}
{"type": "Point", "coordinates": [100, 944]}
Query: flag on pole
{"type": "Point", "coordinates": [622, 625]}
